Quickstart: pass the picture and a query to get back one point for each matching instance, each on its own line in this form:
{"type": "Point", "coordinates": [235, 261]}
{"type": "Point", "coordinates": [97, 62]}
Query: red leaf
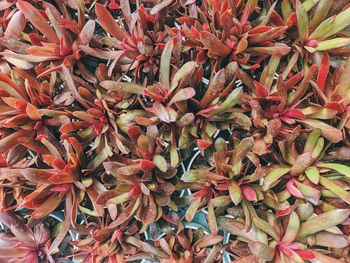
{"type": "Point", "coordinates": [113, 5]}
{"type": "Point", "coordinates": [293, 190]}
{"type": "Point", "coordinates": [47, 206]}
{"type": "Point", "coordinates": [214, 45]}
{"type": "Point", "coordinates": [259, 29]}
{"type": "Point", "coordinates": [323, 71]}
{"type": "Point", "coordinates": [249, 193]}
{"type": "Point", "coordinates": [37, 19]}
{"type": "Point", "coordinates": [62, 178]}
{"type": "Point", "coordinates": [245, 15]}
{"type": "Point", "coordinates": [335, 106]}
{"type": "Point", "coordinates": [294, 114]}
{"type": "Point", "coordinates": [108, 23]}
{"type": "Point", "coordinates": [294, 80]}
{"type": "Point", "coordinates": [203, 144]}
{"type": "Point", "coordinates": [33, 112]}
{"type": "Point", "coordinates": [10, 141]}
{"type": "Point", "coordinates": [146, 165]}
{"type": "Point", "coordinates": [261, 90]}
{"type": "Point", "coordinates": [134, 132]}
{"type": "Point", "coordinates": [306, 254]}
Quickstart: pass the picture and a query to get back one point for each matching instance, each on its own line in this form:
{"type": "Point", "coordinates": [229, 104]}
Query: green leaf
{"type": "Point", "coordinates": [308, 4]}
{"type": "Point", "coordinates": [318, 148]}
{"type": "Point", "coordinates": [313, 112]}
{"type": "Point", "coordinates": [266, 227]}
{"type": "Point", "coordinates": [312, 139]}
{"type": "Point", "coordinates": [235, 192]}
{"type": "Point", "coordinates": [286, 9]}
{"type": "Point", "coordinates": [184, 73]}
{"type": "Point", "coordinates": [304, 210]}
{"type": "Point", "coordinates": [311, 194]}
{"type": "Point", "coordinates": [303, 25]}
{"type": "Point", "coordinates": [312, 174]}
{"type": "Point", "coordinates": [165, 60]}
{"type": "Point", "coordinates": [292, 228]}
{"type": "Point", "coordinates": [332, 44]}
{"type": "Point", "coordinates": [340, 168]}
{"type": "Point", "coordinates": [331, 26]}
{"type": "Point", "coordinates": [119, 199]}
{"type": "Point", "coordinates": [160, 163]}
{"type": "Point", "coordinates": [174, 156]}
{"type": "Point", "coordinates": [320, 13]}
{"type": "Point", "coordinates": [271, 70]}
{"type": "Point", "coordinates": [221, 201]}
{"type": "Point", "coordinates": [335, 189]}
{"type": "Point", "coordinates": [232, 99]}
{"type": "Point", "coordinates": [272, 178]}
{"type": "Point", "coordinates": [323, 221]}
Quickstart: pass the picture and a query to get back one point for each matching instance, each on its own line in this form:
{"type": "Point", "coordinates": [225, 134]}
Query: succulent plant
{"type": "Point", "coordinates": [174, 131]}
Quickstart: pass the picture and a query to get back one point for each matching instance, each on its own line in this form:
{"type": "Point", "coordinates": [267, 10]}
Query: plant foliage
{"type": "Point", "coordinates": [175, 131]}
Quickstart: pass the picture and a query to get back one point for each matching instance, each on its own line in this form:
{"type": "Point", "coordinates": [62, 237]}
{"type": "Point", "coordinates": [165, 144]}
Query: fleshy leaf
{"type": "Point", "coordinates": [235, 192]}
{"type": "Point", "coordinates": [122, 87]}
{"type": "Point", "coordinates": [272, 178]}
{"type": "Point", "coordinates": [303, 25]}
{"type": "Point", "coordinates": [214, 45]}
{"type": "Point", "coordinates": [340, 168]}
{"type": "Point", "coordinates": [331, 133]}
{"type": "Point", "coordinates": [312, 174]}
{"type": "Point", "coordinates": [36, 18]}
{"type": "Point", "coordinates": [336, 189]}
{"type": "Point", "coordinates": [164, 71]}
{"type": "Point", "coordinates": [200, 175]}
{"type": "Point", "coordinates": [108, 23]}
{"type": "Point", "coordinates": [183, 94]}
{"type": "Point", "coordinates": [292, 228]}
{"type": "Point", "coordinates": [262, 250]}
{"type": "Point", "coordinates": [323, 221]}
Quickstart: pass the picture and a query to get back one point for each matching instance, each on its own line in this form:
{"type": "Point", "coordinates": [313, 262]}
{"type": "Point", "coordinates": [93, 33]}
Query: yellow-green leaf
{"type": "Point", "coordinates": [292, 228]}
{"type": "Point", "coordinates": [312, 174]}
{"type": "Point", "coordinates": [266, 227]}
{"type": "Point", "coordinates": [272, 178]}
{"type": "Point", "coordinates": [340, 168]}
{"type": "Point", "coordinates": [323, 221]}
{"type": "Point", "coordinates": [335, 189]}
{"type": "Point", "coordinates": [235, 192]}
{"type": "Point", "coordinates": [303, 25]}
